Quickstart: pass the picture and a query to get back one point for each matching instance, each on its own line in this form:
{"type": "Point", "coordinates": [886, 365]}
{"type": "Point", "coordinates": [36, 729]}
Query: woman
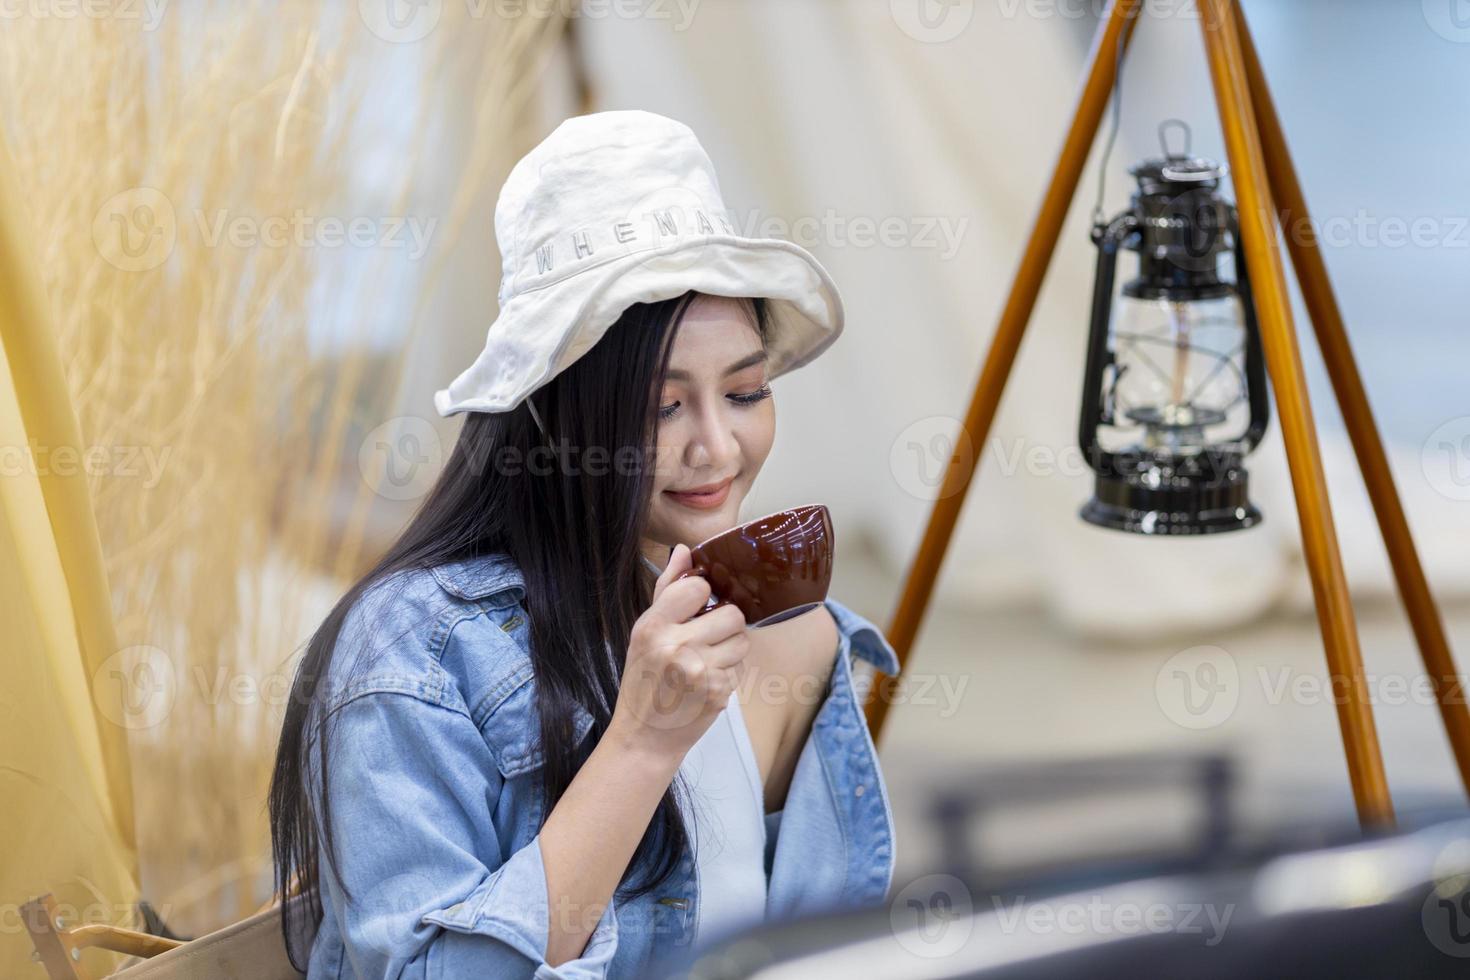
{"type": "Point", "coordinates": [513, 748]}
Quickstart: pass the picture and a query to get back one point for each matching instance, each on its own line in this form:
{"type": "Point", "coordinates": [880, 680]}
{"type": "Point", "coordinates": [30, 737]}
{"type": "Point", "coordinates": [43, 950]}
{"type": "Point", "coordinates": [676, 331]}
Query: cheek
{"type": "Point", "coordinates": [756, 431]}
{"type": "Point", "coordinates": [666, 463]}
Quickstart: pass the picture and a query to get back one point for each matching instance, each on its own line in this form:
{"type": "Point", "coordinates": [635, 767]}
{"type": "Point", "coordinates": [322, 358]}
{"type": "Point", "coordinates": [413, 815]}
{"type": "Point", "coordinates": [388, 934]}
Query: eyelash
{"type": "Point", "coordinates": [746, 398]}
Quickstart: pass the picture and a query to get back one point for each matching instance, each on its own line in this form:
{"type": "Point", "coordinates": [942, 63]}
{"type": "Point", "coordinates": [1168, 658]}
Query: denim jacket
{"type": "Point", "coordinates": [435, 800]}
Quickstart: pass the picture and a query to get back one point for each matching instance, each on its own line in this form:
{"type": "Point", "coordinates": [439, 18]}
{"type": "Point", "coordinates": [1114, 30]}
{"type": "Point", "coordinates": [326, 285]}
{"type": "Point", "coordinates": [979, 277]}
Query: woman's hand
{"type": "Point", "coordinates": [681, 667]}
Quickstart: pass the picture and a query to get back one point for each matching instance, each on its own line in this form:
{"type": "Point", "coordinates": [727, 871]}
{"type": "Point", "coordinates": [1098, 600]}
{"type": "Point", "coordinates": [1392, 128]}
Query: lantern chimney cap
{"type": "Point", "coordinates": [1176, 171]}
{"type": "Point", "coordinates": [1177, 174]}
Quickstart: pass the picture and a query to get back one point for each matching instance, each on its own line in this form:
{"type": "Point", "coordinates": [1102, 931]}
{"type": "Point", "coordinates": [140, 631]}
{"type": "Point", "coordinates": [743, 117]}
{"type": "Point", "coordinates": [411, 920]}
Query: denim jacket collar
{"type": "Point", "coordinates": [867, 642]}
{"type": "Point", "coordinates": [481, 576]}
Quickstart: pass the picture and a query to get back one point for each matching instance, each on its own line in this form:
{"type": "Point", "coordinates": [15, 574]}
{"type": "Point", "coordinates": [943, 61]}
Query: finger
{"type": "Point", "coordinates": [680, 561]}
{"type": "Point", "coordinates": [713, 627]}
{"type": "Point", "coordinates": [736, 674]}
{"type": "Point", "coordinates": [680, 601]}
{"type": "Point", "coordinates": [729, 653]}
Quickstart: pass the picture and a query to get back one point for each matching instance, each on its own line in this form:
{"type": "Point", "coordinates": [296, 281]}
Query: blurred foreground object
{"type": "Point", "coordinates": [248, 950]}
{"type": "Point", "coordinates": [1300, 901]}
{"type": "Point", "coordinates": [67, 817]}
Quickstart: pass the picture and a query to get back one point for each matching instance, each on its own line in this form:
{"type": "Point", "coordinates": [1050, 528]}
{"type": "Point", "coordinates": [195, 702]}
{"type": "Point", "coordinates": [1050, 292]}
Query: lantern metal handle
{"type": "Point", "coordinates": [1183, 127]}
{"type": "Point", "coordinates": [1109, 239]}
{"type": "Point", "coordinates": [1197, 174]}
{"type": "Point", "coordinates": [1255, 358]}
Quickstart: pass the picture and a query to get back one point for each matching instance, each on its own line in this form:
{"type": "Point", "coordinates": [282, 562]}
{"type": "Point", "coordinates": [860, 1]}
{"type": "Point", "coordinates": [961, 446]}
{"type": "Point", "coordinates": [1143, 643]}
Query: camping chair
{"type": "Point", "coordinates": [250, 950]}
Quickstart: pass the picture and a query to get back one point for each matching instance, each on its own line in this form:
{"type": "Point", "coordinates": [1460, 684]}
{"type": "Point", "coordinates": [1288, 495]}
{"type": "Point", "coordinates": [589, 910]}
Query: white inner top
{"type": "Point", "coordinates": [728, 824]}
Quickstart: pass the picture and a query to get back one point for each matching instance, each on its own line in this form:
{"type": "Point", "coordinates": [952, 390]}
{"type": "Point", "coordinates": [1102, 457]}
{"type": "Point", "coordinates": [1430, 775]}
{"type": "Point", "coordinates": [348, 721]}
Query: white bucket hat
{"type": "Point", "coordinates": [617, 208]}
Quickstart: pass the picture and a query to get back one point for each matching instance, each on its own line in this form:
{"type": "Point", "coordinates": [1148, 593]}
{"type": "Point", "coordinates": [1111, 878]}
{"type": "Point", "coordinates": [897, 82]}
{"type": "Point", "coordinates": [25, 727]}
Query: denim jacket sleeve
{"type": "Point", "coordinates": [834, 838]}
{"type": "Point", "coordinates": [434, 899]}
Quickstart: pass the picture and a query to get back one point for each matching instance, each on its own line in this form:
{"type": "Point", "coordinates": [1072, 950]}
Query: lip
{"type": "Point", "coordinates": [703, 498]}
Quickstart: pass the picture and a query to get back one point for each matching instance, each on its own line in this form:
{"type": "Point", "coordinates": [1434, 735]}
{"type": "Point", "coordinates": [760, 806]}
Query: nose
{"type": "Point", "coordinates": [713, 444]}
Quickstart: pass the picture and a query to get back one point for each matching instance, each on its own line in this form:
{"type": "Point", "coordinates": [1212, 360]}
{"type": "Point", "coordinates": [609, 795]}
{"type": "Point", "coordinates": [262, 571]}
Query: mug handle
{"type": "Point", "coordinates": [714, 602]}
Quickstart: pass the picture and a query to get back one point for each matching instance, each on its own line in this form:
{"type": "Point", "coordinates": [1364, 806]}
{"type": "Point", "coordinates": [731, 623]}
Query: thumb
{"type": "Point", "coordinates": [680, 562]}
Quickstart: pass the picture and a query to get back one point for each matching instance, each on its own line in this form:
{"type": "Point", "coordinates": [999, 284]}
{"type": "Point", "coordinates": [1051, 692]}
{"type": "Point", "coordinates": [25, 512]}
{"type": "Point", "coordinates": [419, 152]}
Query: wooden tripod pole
{"type": "Point", "coordinates": [1283, 360]}
{"type": "Point", "coordinates": [1311, 273]}
{"type": "Point", "coordinates": [1117, 28]}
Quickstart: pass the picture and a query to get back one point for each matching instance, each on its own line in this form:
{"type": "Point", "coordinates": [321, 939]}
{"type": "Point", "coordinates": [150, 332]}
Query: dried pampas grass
{"type": "Point", "coordinates": [190, 179]}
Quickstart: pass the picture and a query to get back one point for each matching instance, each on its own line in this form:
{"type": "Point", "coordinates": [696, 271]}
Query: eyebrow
{"type": "Point", "coordinates": [750, 360]}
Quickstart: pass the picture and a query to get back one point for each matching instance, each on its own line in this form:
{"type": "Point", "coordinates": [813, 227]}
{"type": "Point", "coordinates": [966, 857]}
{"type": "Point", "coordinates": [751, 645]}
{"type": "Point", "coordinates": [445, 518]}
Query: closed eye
{"type": "Point", "coordinates": [751, 397]}
{"type": "Point", "coordinates": [760, 394]}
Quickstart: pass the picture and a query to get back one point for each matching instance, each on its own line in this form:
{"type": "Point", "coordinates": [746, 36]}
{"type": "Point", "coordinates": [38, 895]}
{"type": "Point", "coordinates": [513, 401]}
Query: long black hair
{"type": "Point", "coordinates": [574, 530]}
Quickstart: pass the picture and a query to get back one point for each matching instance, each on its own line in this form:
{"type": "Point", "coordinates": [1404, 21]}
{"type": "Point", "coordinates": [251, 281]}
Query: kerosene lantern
{"type": "Point", "coordinates": [1174, 395]}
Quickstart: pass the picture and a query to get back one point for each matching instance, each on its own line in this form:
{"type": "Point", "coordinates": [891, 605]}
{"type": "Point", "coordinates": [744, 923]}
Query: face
{"type": "Point", "coordinates": [716, 422]}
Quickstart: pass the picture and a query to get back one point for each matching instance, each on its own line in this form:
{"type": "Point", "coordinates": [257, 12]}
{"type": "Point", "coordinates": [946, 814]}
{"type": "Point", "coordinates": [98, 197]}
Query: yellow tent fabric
{"type": "Point", "coordinates": [66, 812]}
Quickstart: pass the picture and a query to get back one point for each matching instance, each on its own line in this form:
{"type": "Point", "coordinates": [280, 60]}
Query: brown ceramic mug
{"type": "Point", "coordinates": [772, 568]}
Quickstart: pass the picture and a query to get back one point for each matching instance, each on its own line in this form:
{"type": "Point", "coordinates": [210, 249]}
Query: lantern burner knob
{"type": "Point", "coordinates": [1175, 416]}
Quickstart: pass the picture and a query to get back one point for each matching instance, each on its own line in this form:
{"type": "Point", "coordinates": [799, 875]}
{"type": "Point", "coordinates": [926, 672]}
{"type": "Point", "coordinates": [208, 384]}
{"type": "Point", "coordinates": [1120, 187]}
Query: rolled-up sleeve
{"type": "Point", "coordinates": [428, 895]}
